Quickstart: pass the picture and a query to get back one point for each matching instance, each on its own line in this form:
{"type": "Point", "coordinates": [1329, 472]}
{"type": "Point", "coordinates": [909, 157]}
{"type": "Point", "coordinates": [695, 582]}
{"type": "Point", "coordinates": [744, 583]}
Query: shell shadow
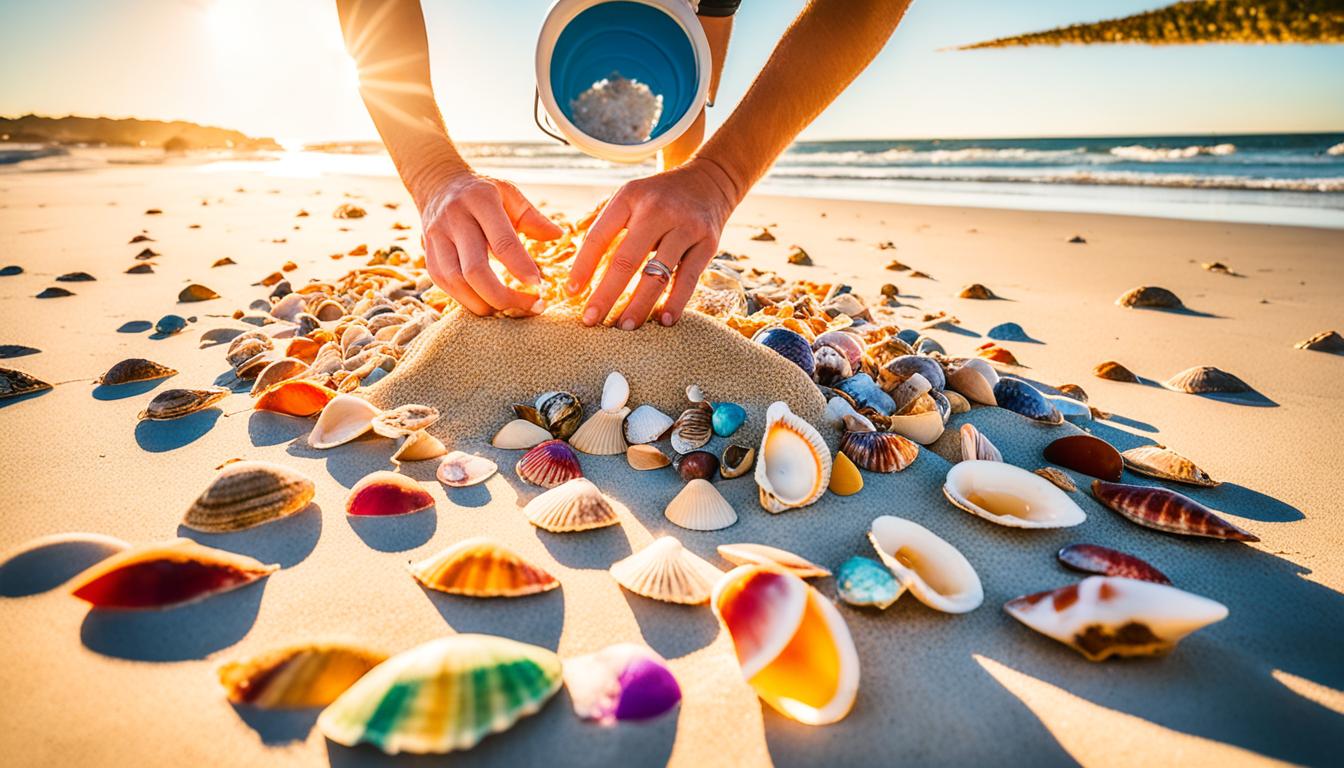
{"type": "Point", "coordinates": [10, 401]}
{"type": "Point", "coordinates": [398, 533]}
{"type": "Point", "coordinates": [176, 634]}
{"type": "Point", "coordinates": [1142, 426]}
{"type": "Point", "coordinates": [123, 391]}
{"type": "Point", "coordinates": [287, 541]}
{"type": "Point", "coordinates": [536, 619]}
{"type": "Point", "coordinates": [471, 497]}
{"type": "Point", "coordinates": [278, 726]}
{"type": "Point", "coordinates": [135, 326]}
{"type": "Point", "coordinates": [43, 568]}
{"type": "Point", "coordinates": [998, 333]}
{"type": "Point", "coordinates": [1252, 398]}
{"type": "Point", "coordinates": [596, 549]}
{"type": "Point", "coordinates": [349, 463]}
{"type": "Point", "coordinates": [672, 630]}
{"type": "Point", "coordinates": [230, 381]}
{"type": "Point", "coordinates": [216, 336]}
{"type": "Point", "coordinates": [266, 428]}
{"type": "Point", "coordinates": [160, 436]}
{"type": "Point", "coordinates": [954, 328]}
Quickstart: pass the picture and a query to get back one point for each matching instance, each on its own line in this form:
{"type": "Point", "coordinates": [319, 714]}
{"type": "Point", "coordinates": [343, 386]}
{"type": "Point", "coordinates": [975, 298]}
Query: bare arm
{"type": "Point", "coordinates": [465, 216]}
{"type": "Point", "coordinates": [681, 212]}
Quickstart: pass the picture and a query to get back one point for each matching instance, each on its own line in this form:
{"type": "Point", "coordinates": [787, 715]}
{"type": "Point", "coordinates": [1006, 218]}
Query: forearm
{"type": "Point", "coordinates": [826, 47]}
{"type": "Point", "coordinates": [388, 42]}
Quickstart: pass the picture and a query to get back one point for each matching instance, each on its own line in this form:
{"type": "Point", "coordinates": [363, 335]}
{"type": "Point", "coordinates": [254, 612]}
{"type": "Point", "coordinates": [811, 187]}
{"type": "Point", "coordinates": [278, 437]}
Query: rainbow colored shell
{"type": "Point", "coordinates": [444, 695]}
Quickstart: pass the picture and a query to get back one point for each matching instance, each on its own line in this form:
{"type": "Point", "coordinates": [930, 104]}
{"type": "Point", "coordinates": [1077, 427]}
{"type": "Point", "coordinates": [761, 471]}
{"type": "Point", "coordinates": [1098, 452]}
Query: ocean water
{"type": "Point", "coordinates": [1276, 178]}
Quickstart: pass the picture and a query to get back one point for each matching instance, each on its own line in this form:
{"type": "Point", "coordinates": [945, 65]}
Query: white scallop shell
{"type": "Point", "coordinates": [1010, 496]}
{"type": "Point", "coordinates": [700, 507]}
{"type": "Point", "coordinates": [603, 434]}
{"type": "Point", "coordinates": [666, 571]}
{"type": "Point", "coordinates": [793, 464]}
{"type": "Point", "coordinates": [519, 434]}
{"type": "Point", "coordinates": [646, 424]}
{"type": "Point", "coordinates": [934, 571]}
{"type": "Point", "coordinates": [576, 505]}
{"type": "Point", "coordinates": [343, 419]}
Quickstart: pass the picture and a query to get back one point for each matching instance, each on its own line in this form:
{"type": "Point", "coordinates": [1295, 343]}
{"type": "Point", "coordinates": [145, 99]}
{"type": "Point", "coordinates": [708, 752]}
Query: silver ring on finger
{"type": "Point", "coordinates": [657, 270]}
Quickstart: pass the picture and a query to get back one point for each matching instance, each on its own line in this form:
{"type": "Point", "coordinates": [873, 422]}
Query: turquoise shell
{"type": "Point", "coordinates": [728, 418]}
{"type": "Point", "coordinates": [866, 582]}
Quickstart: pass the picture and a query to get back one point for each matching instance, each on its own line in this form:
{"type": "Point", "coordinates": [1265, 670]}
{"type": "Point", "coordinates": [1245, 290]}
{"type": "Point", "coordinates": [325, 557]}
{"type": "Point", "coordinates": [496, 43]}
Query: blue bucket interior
{"type": "Point", "coordinates": [638, 41]}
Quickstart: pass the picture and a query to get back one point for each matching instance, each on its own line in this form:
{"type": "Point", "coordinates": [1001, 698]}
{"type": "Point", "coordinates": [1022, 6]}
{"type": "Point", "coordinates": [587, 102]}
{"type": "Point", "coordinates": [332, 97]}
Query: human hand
{"type": "Point", "coordinates": [681, 213]}
{"type": "Point", "coordinates": [466, 217]}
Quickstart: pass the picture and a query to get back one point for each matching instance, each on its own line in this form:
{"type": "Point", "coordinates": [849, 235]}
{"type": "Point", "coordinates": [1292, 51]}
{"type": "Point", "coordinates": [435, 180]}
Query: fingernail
{"type": "Point", "coordinates": [572, 288]}
{"type": "Point", "coordinates": [667, 318]}
{"type": "Point", "coordinates": [539, 307]}
{"type": "Point", "coordinates": [590, 316]}
{"type": "Point", "coordinates": [628, 325]}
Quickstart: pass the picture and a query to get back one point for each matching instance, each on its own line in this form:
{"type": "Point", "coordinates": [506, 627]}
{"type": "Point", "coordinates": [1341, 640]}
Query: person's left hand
{"type": "Point", "coordinates": [681, 214]}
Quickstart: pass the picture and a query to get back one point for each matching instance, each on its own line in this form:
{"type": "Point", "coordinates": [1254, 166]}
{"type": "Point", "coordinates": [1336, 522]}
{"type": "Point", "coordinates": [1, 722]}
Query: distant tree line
{"type": "Point", "coordinates": [174, 136]}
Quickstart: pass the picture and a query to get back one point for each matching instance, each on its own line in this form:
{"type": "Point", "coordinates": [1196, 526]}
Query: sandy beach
{"type": "Point", "coordinates": [1265, 685]}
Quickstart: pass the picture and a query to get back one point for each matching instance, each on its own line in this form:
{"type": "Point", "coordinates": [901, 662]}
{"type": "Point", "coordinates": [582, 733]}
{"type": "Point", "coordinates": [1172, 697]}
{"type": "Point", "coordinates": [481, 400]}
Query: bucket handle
{"type": "Point", "coordinates": [536, 117]}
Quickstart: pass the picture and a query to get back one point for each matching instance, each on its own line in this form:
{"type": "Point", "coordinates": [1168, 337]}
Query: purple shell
{"type": "Point", "coordinates": [621, 682]}
{"type": "Point", "coordinates": [789, 344]}
{"type": "Point", "coordinates": [648, 689]}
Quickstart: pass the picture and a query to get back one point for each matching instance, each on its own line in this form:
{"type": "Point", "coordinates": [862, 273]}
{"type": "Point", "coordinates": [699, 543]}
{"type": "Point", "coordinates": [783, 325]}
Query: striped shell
{"type": "Point", "coordinates": [249, 493]}
{"type": "Point", "coordinates": [479, 567]}
{"type": "Point", "coordinates": [666, 571]}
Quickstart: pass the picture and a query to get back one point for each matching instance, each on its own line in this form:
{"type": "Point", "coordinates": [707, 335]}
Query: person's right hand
{"type": "Point", "coordinates": [465, 218]}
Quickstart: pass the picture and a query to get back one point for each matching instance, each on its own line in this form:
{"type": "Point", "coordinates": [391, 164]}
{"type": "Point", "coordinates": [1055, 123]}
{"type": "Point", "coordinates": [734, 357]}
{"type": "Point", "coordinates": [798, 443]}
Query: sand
{"type": "Point", "coordinates": [140, 689]}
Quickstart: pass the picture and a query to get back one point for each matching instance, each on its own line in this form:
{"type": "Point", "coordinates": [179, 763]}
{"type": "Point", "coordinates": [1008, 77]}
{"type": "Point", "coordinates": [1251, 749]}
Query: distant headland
{"type": "Point", "coordinates": [177, 135]}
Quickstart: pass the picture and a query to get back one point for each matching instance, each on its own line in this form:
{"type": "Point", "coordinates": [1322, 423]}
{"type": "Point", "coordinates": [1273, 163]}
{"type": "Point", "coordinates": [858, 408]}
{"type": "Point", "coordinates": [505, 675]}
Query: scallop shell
{"type": "Point", "coordinates": [975, 446]}
{"type": "Point", "coordinates": [693, 428]}
{"type": "Point", "coordinates": [1009, 496]}
{"type": "Point", "coordinates": [1150, 296]}
{"type": "Point", "coordinates": [700, 507]}
{"type": "Point", "coordinates": [793, 464]}
{"type": "Point", "coordinates": [577, 505]}
{"type": "Point", "coordinates": [246, 494]}
{"type": "Point", "coordinates": [666, 571]}
{"type": "Point", "coordinates": [165, 574]}
{"type": "Point", "coordinates": [518, 434]}
{"type": "Point", "coordinates": [419, 446]}
{"type": "Point", "coordinates": [760, 554]}
{"type": "Point", "coordinates": [879, 451]}
{"type": "Point", "coordinates": [603, 434]}
{"type": "Point", "coordinates": [867, 583]}
{"type": "Point", "coordinates": [975, 379]}
{"type": "Point", "coordinates": [176, 403]}
{"type": "Point", "coordinates": [283, 369]}
{"type": "Point", "coordinates": [646, 424]}
{"type": "Point", "coordinates": [1205, 379]}
{"type": "Point", "coordinates": [737, 460]}
{"type": "Point", "coordinates": [792, 645]}
{"type": "Point", "coordinates": [620, 682]}
{"type": "Point", "coordinates": [846, 480]}
{"type": "Point", "coordinates": [405, 419]}
{"type": "Point", "coordinates": [934, 571]}
{"type": "Point", "coordinates": [1166, 464]}
{"type": "Point", "coordinates": [549, 464]}
{"type": "Point", "coordinates": [445, 695]}
{"type": "Point", "coordinates": [298, 676]}
{"type": "Point", "coordinates": [47, 562]}
{"type": "Point", "coordinates": [1102, 561]}
{"type": "Point", "coordinates": [1022, 398]}
{"type": "Point", "coordinates": [135, 369]}
{"type": "Point", "coordinates": [1104, 616]}
{"type": "Point", "coordinates": [645, 457]}
{"type": "Point", "coordinates": [1087, 454]}
{"type": "Point", "coordinates": [386, 494]}
{"type": "Point", "coordinates": [14, 383]}
{"type": "Point", "coordinates": [296, 397]}
{"type": "Point", "coordinates": [479, 567]}
{"type": "Point", "coordinates": [1167, 511]}
{"type": "Point", "coordinates": [343, 419]}
{"type": "Point", "coordinates": [459, 469]}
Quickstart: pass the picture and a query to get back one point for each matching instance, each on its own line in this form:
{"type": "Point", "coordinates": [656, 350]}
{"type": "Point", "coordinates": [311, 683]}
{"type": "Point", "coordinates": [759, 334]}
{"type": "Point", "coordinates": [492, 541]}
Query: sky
{"type": "Point", "coordinates": [277, 68]}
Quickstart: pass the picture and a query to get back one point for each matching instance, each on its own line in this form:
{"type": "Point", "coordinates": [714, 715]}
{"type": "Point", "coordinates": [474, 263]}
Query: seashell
{"type": "Point", "coordinates": [135, 369]}
{"type": "Point", "coordinates": [727, 418]}
{"type": "Point", "coordinates": [692, 429]}
{"type": "Point", "coordinates": [386, 494]}
{"type": "Point", "coordinates": [799, 256]}
{"type": "Point", "coordinates": [863, 582]}
{"type": "Point", "coordinates": [246, 494]}
{"type": "Point", "coordinates": [252, 367]}
{"type": "Point", "coordinates": [620, 682]}
{"type": "Point", "coordinates": [865, 393]}
{"type": "Point", "coordinates": [935, 572]}
{"type": "Point", "coordinates": [283, 369]}
{"type": "Point", "coordinates": [976, 447]}
{"type": "Point", "coordinates": [54, 293]}
{"type": "Point", "coordinates": [1104, 616]}
{"type": "Point", "coordinates": [644, 457]}
{"type": "Point", "coordinates": [1168, 511]}
{"type": "Point", "coordinates": [957, 402]}
{"type": "Point", "coordinates": [1150, 296]}
{"type": "Point", "coordinates": [879, 451]}
{"type": "Point", "coordinates": [1115, 372]}
{"type": "Point", "coordinates": [343, 418]}
{"type": "Point", "coordinates": [298, 676]}
{"type": "Point", "coordinates": [1102, 561]}
{"type": "Point", "coordinates": [519, 434]}
{"type": "Point", "coordinates": [75, 277]}
{"type": "Point", "coordinates": [791, 643]}
{"type": "Point", "coordinates": [793, 463]}
{"type": "Point", "coordinates": [1166, 464]}
{"type": "Point", "coordinates": [696, 465]}
{"type": "Point", "coordinates": [1061, 480]}
{"type": "Point", "coordinates": [898, 369]}
{"type": "Point", "coordinates": [329, 310]}
{"type": "Point", "coordinates": [289, 307]}
{"type": "Point", "coordinates": [1020, 397]}
{"type": "Point", "coordinates": [479, 567]}
{"type": "Point", "coordinates": [549, 464]}
{"type": "Point", "coordinates": [1205, 379]}
{"type": "Point", "coordinates": [736, 461]}
{"type": "Point", "coordinates": [1074, 391]}
{"type": "Point", "coordinates": [615, 392]}
{"type": "Point", "coordinates": [666, 571]}
{"type": "Point", "coordinates": [760, 554]}
{"type": "Point", "coordinates": [921, 421]}
{"type": "Point", "coordinates": [976, 291]}
{"type": "Point", "coordinates": [1325, 341]}
{"type": "Point", "coordinates": [140, 269]}
{"type": "Point", "coordinates": [845, 342]}
{"type": "Point", "coordinates": [910, 390]}
{"type": "Point", "coordinates": [560, 413]}
{"type": "Point", "coordinates": [1071, 409]}
{"type": "Point", "coordinates": [165, 574]}
{"type": "Point", "coordinates": [1009, 496]}
{"type": "Point", "coordinates": [196, 292]}
{"type": "Point", "coordinates": [830, 365]}
{"type": "Point", "coordinates": [603, 434]}
{"type": "Point", "coordinates": [700, 507]}
{"type": "Point", "coordinates": [1086, 454]}
{"type": "Point", "coordinates": [176, 403]}
{"type": "Point", "coordinates": [975, 379]}
{"type": "Point", "coordinates": [233, 356]}
{"type": "Point", "coordinates": [405, 419]}
{"type": "Point", "coordinates": [790, 345]}
{"type": "Point", "coordinates": [846, 479]}
{"type": "Point", "coordinates": [419, 446]}
{"type": "Point", "coordinates": [296, 397]}
{"type": "Point", "coordinates": [170, 324]}
{"type": "Point", "coordinates": [646, 424]}
{"type": "Point", "coordinates": [840, 413]}
{"type": "Point", "coordinates": [49, 561]}
{"type": "Point", "coordinates": [459, 469]}
{"type": "Point", "coordinates": [444, 695]}
{"type": "Point", "coordinates": [577, 505]}
{"type": "Point", "coordinates": [928, 346]}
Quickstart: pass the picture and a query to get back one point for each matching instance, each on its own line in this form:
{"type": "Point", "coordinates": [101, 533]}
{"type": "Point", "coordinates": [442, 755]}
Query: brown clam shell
{"type": "Point", "coordinates": [736, 461]}
{"type": "Point", "coordinates": [976, 291]}
{"type": "Point", "coordinates": [1167, 511]}
{"type": "Point", "coordinates": [1059, 478]}
{"type": "Point", "coordinates": [1114, 371]}
{"type": "Point", "coordinates": [1166, 464]}
{"type": "Point", "coordinates": [135, 369]}
{"type": "Point", "coordinates": [1150, 296]}
{"type": "Point", "coordinates": [14, 383]}
{"type": "Point", "coordinates": [645, 456]}
{"type": "Point", "coordinates": [879, 451]}
{"type": "Point", "coordinates": [196, 292]}
{"type": "Point", "coordinates": [176, 403]}
{"type": "Point", "coordinates": [246, 494]}
{"type": "Point", "coordinates": [1087, 454]}
{"type": "Point", "coordinates": [692, 429]}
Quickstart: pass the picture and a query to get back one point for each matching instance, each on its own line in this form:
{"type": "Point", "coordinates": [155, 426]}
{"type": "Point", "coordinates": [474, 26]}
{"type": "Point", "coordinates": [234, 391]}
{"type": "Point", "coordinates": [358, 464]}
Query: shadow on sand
{"type": "Point", "coordinates": [535, 619]}
{"type": "Point", "coordinates": [191, 631]}
{"type": "Point", "coordinates": [287, 542]}
{"type": "Point", "coordinates": [161, 436]}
